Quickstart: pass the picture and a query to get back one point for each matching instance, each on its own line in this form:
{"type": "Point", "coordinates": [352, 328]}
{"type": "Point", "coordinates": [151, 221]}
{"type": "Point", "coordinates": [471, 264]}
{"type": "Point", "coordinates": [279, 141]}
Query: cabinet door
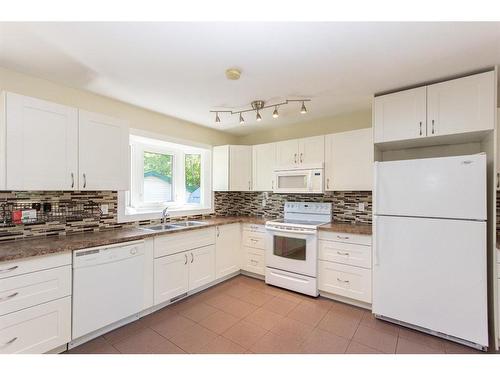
{"type": "Point", "coordinates": [399, 116]}
{"type": "Point", "coordinates": [498, 154]}
{"type": "Point", "coordinates": [461, 105]}
{"type": "Point", "coordinates": [263, 164]}
{"type": "Point", "coordinates": [103, 152]}
{"type": "Point", "coordinates": [201, 266]}
{"type": "Point", "coordinates": [311, 150]}
{"type": "Point", "coordinates": [349, 160]}
{"type": "Point", "coordinates": [171, 277]}
{"type": "Point", "coordinates": [41, 144]}
{"type": "Point", "coordinates": [240, 168]}
{"type": "Point", "coordinates": [287, 153]}
{"type": "Point", "coordinates": [227, 249]}
{"type": "Point", "coordinates": [220, 163]}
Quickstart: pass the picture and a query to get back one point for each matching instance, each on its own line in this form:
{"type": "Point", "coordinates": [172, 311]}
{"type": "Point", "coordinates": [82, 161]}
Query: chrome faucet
{"type": "Point", "coordinates": [164, 215]}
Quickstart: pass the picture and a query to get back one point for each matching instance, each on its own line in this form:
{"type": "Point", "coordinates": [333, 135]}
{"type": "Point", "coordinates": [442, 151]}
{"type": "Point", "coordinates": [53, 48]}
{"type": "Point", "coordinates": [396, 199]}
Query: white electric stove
{"type": "Point", "coordinates": [291, 260]}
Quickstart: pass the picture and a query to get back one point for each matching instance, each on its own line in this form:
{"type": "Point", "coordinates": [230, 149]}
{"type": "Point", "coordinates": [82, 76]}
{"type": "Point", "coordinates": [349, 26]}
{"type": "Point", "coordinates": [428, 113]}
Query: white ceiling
{"type": "Point", "coordinates": [178, 68]}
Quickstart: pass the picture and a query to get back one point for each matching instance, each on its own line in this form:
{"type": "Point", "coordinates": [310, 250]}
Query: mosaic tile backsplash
{"type": "Point", "coordinates": [79, 211]}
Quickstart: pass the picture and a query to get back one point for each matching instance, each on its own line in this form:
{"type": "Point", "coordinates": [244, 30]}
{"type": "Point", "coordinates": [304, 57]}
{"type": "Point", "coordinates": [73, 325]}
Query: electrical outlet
{"type": "Point", "coordinates": [104, 209]}
{"type": "Point", "coordinates": [361, 206]}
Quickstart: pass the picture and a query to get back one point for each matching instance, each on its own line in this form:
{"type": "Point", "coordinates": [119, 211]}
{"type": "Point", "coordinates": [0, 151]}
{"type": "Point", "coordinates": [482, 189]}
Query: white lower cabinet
{"type": "Point", "coordinates": [253, 261]}
{"type": "Point", "coordinates": [180, 273]}
{"type": "Point", "coordinates": [37, 329]}
{"type": "Point", "coordinates": [255, 240]}
{"type": "Point", "coordinates": [227, 249]}
{"type": "Point", "coordinates": [171, 277]}
{"type": "Point", "coordinates": [344, 266]}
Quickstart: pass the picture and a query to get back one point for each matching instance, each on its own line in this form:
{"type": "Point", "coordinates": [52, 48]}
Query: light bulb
{"type": "Point", "coordinates": [303, 109]}
{"type": "Point", "coordinates": [258, 117]}
{"type": "Point", "coordinates": [217, 118]}
{"type": "Point", "coordinates": [275, 112]}
{"type": "Point", "coordinates": [242, 120]}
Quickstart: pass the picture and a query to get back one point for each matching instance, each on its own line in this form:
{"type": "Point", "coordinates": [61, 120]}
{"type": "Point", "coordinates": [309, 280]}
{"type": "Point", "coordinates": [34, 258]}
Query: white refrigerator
{"type": "Point", "coordinates": [429, 246]}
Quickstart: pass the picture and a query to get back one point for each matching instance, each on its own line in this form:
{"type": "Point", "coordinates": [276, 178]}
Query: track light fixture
{"type": "Point", "coordinates": [258, 105]}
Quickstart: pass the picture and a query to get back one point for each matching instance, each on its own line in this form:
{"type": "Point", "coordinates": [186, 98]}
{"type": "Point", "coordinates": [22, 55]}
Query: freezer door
{"type": "Point", "coordinates": [432, 273]}
{"type": "Point", "coordinates": [450, 187]}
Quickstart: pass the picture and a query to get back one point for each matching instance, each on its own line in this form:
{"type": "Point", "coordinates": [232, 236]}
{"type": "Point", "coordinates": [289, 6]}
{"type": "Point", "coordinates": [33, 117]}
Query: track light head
{"type": "Point", "coordinates": [258, 117]}
{"type": "Point", "coordinates": [242, 120]}
{"type": "Point", "coordinates": [303, 109]}
{"type": "Point", "coordinates": [275, 112]}
{"type": "Point", "coordinates": [217, 118]}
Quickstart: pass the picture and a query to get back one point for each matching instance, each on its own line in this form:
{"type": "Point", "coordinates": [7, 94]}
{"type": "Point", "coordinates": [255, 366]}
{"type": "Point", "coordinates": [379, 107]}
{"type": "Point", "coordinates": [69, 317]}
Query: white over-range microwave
{"type": "Point", "coordinates": [307, 180]}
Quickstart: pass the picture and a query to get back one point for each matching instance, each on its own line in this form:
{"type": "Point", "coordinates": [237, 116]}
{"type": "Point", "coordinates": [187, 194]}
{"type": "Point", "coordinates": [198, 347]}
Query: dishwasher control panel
{"type": "Point", "coordinates": [105, 254]}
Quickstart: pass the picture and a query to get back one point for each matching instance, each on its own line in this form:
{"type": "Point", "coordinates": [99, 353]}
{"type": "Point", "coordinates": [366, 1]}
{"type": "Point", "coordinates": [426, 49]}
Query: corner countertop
{"type": "Point", "coordinates": [36, 246]}
{"type": "Point", "coordinates": [347, 228]}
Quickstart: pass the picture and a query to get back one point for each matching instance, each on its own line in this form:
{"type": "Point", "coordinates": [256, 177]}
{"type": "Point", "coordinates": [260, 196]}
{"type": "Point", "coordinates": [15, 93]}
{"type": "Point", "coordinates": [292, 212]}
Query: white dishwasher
{"type": "Point", "coordinates": [108, 285]}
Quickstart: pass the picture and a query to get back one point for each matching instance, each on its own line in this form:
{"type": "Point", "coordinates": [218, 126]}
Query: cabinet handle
{"type": "Point", "coordinates": [343, 237]}
{"type": "Point", "coordinates": [72, 180]}
{"type": "Point", "coordinates": [249, 185]}
{"type": "Point", "coordinates": [432, 126]}
{"type": "Point", "coordinates": [186, 259]}
{"type": "Point", "coordinates": [343, 253]}
{"type": "Point", "coordinates": [10, 341]}
{"type": "Point", "coordinates": [9, 297]}
{"type": "Point", "coordinates": [84, 180]}
{"type": "Point", "coordinates": [5, 270]}
{"type": "Point", "coordinates": [498, 180]}
{"type": "Point", "coordinates": [218, 232]}
{"type": "Point", "coordinates": [420, 127]}
{"type": "Point", "coordinates": [301, 157]}
{"type": "Point", "coordinates": [295, 158]}
{"type": "Point", "coordinates": [253, 261]}
{"type": "Point", "coordinates": [327, 183]}
{"type": "Point", "coordinates": [192, 258]}
{"type": "Point", "coordinates": [272, 184]}
{"type": "Point", "coordinates": [342, 281]}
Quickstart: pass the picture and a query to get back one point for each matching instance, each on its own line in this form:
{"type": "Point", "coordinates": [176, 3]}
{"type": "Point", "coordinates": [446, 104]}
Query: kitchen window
{"type": "Point", "coordinates": [166, 175]}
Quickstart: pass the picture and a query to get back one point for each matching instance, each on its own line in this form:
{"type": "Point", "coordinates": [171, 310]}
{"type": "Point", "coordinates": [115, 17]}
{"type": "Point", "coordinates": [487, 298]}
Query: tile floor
{"type": "Point", "coordinates": [244, 315]}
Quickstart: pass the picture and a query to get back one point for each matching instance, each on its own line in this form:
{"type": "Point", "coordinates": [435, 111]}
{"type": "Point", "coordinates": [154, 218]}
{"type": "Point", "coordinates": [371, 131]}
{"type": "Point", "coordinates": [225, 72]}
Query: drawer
{"type": "Point", "coordinates": [360, 239]}
{"type": "Point", "coordinates": [254, 260]}
{"type": "Point", "coordinates": [346, 253]}
{"type": "Point", "coordinates": [20, 292]}
{"type": "Point", "coordinates": [254, 228]}
{"type": "Point", "coordinates": [348, 281]}
{"type": "Point", "coordinates": [19, 267]}
{"type": "Point", "coordinates": [255, 240]}
{"type": "Point", "coordinates": [38, 329]}
{"type": "Point", "coordinates": [177, 242]}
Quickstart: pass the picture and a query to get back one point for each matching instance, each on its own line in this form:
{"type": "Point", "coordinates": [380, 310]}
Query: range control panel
{"type": "Point", "coordinates": [308, 208]}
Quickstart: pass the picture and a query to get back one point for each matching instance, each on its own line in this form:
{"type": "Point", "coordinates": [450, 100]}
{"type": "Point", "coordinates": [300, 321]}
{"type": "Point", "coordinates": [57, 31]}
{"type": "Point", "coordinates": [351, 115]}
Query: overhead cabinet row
{"type": "Point", "coordinates": [457, 106]}
{"type": "Point", "coordinates": [346, 157]}
{"type": "Point", "coordinates": [49, 146]}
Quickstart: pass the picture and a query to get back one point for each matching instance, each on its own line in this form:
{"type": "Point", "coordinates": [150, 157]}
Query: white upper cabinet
{"type": "Point", "coordinates": [300, 153]}
{"type": "Point", "coordinates": [39, 144]}
{"type": "Point", "coordinates": [349, 160]}
{"type": "Point", "coordinates": [461, 105]}
{"type": "Point", "coordinates": [103, 152]}
{"type": "Point", "coordinates": [48, 146]}
{"type": "Point", "coordinates": [458, 106]}
{"type": "Point", "coordinates": [399, 116]}
{"type": "Point", "coordinates": [263, 164]}
{"type": "Point", "coordinates": [232, 168]}
{"type": "Point", "coordinates": [287, 153]}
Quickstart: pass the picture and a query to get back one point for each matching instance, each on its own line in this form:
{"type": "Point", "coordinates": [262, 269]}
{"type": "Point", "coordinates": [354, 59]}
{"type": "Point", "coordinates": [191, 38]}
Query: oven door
{"type": "Point", "coordinates": [293, 251]}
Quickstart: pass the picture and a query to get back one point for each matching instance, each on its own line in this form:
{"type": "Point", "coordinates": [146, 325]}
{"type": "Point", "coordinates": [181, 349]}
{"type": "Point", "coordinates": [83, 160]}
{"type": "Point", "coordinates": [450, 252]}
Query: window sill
{"type": "Point", "coordinates": [130, 214]}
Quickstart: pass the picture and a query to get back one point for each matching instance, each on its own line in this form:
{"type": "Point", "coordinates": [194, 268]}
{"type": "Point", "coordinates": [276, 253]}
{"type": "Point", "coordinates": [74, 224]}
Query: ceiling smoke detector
{"type": "Point", "coordinates": [233, 74]}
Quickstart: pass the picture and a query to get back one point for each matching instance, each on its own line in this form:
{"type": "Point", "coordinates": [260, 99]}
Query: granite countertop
{"type": "Point", "coordinates": [347, 228]}
{"type": "Point", "coordinates": [36, 246]}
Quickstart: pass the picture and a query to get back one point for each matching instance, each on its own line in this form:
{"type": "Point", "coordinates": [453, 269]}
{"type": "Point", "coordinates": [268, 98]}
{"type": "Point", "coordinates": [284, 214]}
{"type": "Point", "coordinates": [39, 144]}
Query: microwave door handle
{"type": "Point", "coordinates": [309, 181]}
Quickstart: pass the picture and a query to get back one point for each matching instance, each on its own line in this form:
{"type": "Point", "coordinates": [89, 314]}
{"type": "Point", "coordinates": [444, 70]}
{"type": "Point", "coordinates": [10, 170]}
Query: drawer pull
{"type": "Point", "coordinates": [10, 341]}
{"type": "Point", "coordinates": [254, 240]}
{"type": "Point", "coordinates": [342, 281]}
{"type": "Point", "coordinates": [254, 261]}
{"type": "Point", "coordinates": [344, 253]}
{"type": "Point", "coordinates": [343, 237]}
{"type": "Point", "coordinates": [9, 269]}
{"type": "Point", "coordinates": [9, 297]}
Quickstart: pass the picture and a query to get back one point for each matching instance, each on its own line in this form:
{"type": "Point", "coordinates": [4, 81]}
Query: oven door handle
{"type": "Point", "coordinates": [273, 229]}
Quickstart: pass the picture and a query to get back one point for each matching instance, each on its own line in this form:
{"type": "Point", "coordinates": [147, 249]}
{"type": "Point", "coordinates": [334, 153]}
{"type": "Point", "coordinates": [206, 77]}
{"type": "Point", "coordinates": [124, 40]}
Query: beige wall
{"type": "Point", "coordinates": [138, 118]}
{"type": "Point", "coordinates": [340, 123]}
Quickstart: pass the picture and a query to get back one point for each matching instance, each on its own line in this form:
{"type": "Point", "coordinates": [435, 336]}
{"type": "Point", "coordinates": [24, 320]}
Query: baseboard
{"type": "Point", "coordinates": [346, 300]}
{"type": "Point", "coordinates": [254, 275]}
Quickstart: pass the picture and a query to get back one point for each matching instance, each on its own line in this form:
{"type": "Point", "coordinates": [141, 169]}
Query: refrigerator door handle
{"type": "Point", "coordinates": [376, 258]}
